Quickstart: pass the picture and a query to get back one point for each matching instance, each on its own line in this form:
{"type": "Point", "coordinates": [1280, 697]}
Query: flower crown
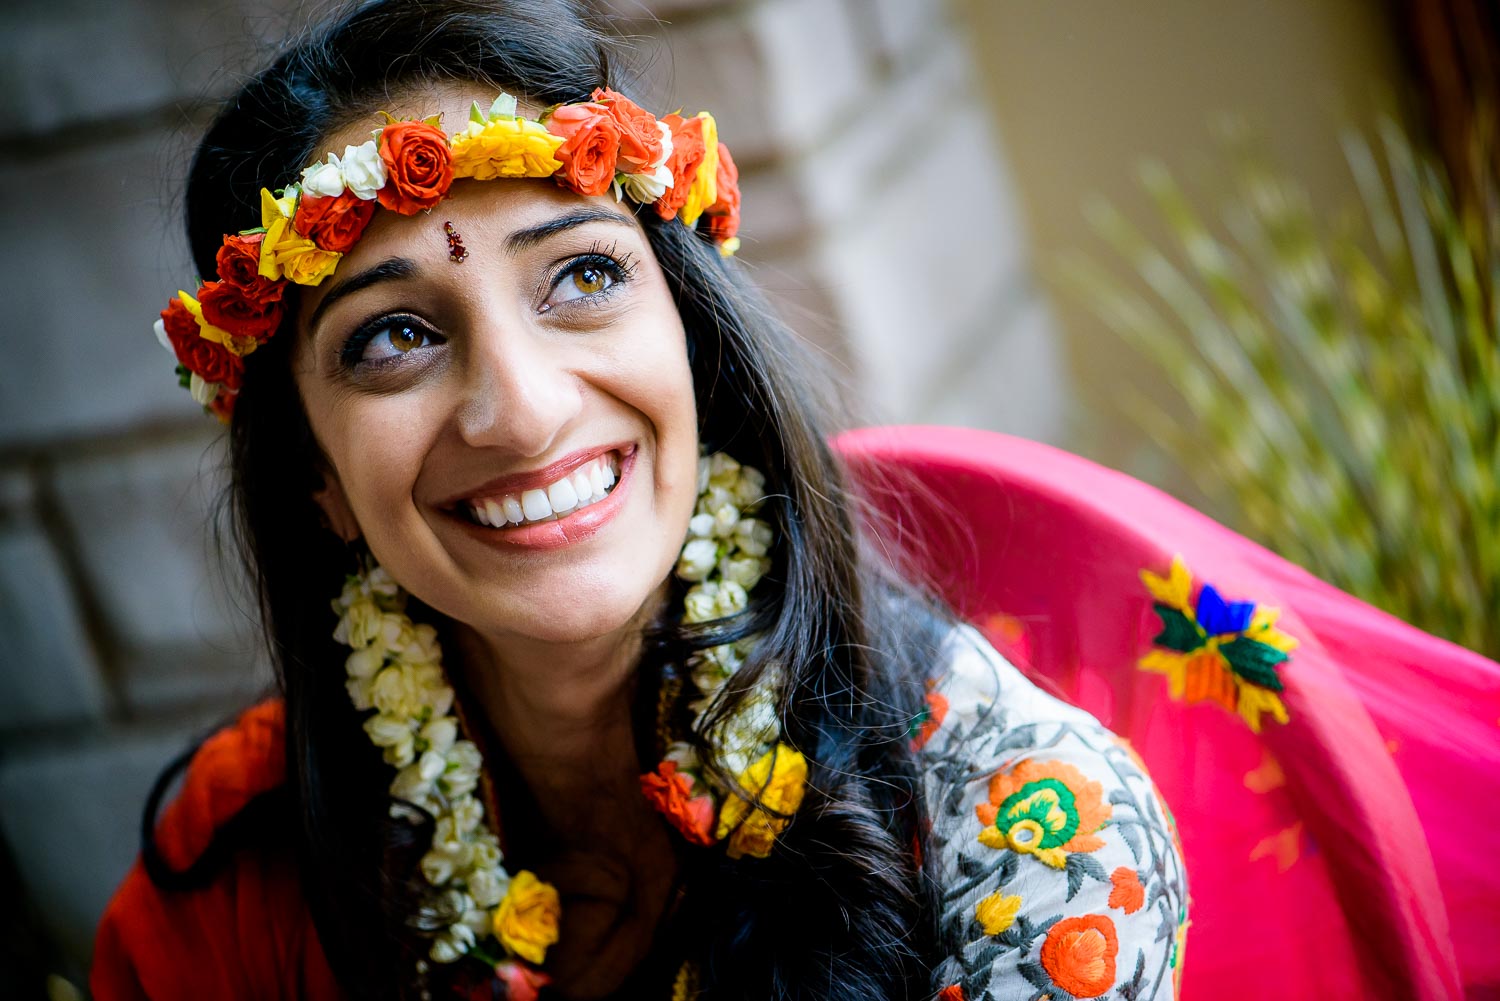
{"type": "Point", "coordinates": [675, 164]}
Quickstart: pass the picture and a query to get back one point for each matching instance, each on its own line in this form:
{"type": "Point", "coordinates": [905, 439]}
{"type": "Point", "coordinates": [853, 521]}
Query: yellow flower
{"type": "Point", "coordinates": [777, 781]}
{"type": "Point", "coordinates": [284, 254]}
{"type": "Point", "coordinates": [505, 147]}
{"type": "Point", "coordinates": [997, 912]}
{"type": "Point", "coordinates": [526, 920]}
{"type": "Point", "coordinates": [704, 190]}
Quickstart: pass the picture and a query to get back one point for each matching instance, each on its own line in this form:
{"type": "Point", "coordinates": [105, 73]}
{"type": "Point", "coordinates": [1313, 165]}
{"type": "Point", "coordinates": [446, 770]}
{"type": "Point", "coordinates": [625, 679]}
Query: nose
{"type": "Point", "coordinates": [519, 394]}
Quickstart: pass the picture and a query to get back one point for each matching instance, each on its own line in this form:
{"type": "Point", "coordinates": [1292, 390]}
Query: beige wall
{"type": "Point", "coordinates": [1082, 90]}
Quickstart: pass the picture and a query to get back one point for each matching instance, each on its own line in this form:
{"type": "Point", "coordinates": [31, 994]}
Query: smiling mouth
{"type": "Point", "coordinates": [575, 490]}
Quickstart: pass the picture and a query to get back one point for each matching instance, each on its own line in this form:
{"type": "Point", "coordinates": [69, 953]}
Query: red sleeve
{"type": "Point", "coordinates": [248, 934]}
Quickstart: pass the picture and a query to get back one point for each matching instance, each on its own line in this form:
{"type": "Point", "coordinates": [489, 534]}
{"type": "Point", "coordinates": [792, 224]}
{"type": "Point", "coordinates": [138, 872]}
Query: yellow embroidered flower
{"type": "Point", "coordinates": [505, 147]}
{"type": "Point", "coordinates": [1045, 809]}
{"type": "Point", "coordinates": [284, 254]}
{"type": "Point", "coordinates": [997, 912]}
{"type": "Point", "coordinates": [526, 920]}
{"type": "Point", "coordinates": [778, 780]}
{"type": "Point", "coordinates": [1213, 650]}
{"type": "Point", "coordinates": [704, 190]}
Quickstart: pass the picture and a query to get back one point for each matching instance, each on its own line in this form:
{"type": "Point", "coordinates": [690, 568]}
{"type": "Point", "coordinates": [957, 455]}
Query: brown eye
{"type": "Point", "coordinates": [590, 279]}
{"type": "Point", "coordinates": [403, 338]}
{"type": "Point", "coordinates": [386, 339]}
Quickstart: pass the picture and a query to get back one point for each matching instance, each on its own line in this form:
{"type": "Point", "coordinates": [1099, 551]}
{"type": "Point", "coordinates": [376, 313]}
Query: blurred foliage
{"type": "Point", "coordinates": [1344, 375]}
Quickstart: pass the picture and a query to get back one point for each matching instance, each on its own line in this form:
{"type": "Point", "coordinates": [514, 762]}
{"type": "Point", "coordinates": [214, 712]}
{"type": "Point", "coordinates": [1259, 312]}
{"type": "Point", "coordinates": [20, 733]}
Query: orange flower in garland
{"type": "Point", "coordinates": [333, 223]}
{"type": "Point", "coordinates": [723, 217]}
{"type": "Point", "coordinates": [687, 154]}
{"type": "Point", "coordinates": [226, 306]}
{"type": "Point", "coordinates": [671, 793]}
{"type": "Point", "coordinates": [640, 136]}
{"type": "Point", "coordinates": [418, 164]}
{"type": "Point", "coordinates": [1045, 809]}
{"type": "Point", "coordinates": [1079, 955]}
{"type": "Point", "coordinates": [590, 149]}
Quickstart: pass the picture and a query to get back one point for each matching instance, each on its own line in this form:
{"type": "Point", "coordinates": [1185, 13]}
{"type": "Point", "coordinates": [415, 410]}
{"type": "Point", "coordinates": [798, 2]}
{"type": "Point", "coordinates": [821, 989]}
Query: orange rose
{"type": "Point", "coordinates": [238, 262]}
{"type": "Point", "coordinates": [640, 138]}
{"type": "Point", "coordinates": [213, 362]}
{"type": "Point", "coordinates": [226, 306]}
{"type": "Point", "coordinates": [418, 166]}
{"type": "Point", "coordinates": [333, 223]}
{"type": "Point", "coordinates": [671, 792]}
{"type": "Point", "coordinates": [722, 218]}
{"type": "Point", "coordinates": [522, 983]}
{"type": "Point", "coordinates": [591, 144]}
{"type": "Point", "coordinates": [687, 154]}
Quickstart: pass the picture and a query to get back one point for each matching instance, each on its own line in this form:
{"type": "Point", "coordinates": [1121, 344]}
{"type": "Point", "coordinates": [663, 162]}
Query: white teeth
{"type": "Point", "coordinates": [562, 496]}
{"type": "Point", "coordinates": [535, 506]}
{"type": "Point", "coordinates": [586, 485]}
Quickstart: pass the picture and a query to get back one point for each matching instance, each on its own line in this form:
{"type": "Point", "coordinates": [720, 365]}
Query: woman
{"type": "Point", "coordinates": [753, 763]}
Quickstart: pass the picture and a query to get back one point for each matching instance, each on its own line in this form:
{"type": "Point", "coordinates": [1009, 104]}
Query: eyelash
{"type": "Point", "coordinates": [619, 267]}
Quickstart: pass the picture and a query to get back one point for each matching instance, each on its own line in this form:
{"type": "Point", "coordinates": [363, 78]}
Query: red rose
{"type": "Point", "coordinates": [590, 147]}
{"type": "Point", "coordinates": [239, 260]}
{"type": "Point", "coordinates": [418, 166]}
{"type": "Point", "coordinates": [227, 307]}
{"type": "Point", "coordinates": [521, 982]}
{"type": "Point", "coordinates": [687, 153]}
{"type": "Point", "coordinates": [671, 792]}
{"type": "Point", "coordinates": [334, 224]}
{"type": "Point", "coordinates": [213, 362]}
{"type": "Point", "coordinates": [640, 139]}
{"type": "Point", "coordinates": [182, 329]}
{"type": "Point", "coordinates": [722, 218]}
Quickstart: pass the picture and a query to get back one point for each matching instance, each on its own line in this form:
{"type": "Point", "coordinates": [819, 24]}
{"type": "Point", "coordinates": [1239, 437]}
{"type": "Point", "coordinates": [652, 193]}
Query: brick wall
{"type": "Point", "coordinates": [878, 214]}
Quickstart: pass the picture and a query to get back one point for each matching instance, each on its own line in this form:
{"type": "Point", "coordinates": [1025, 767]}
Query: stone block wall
{"type": "Point", "coordinates": [878, 214]}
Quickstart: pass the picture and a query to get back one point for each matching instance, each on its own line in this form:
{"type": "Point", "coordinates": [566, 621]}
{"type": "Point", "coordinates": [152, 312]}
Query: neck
{"type": "Point", "coordinates": [562, 714]}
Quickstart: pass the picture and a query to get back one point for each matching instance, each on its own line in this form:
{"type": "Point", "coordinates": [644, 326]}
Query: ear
{"type": "Point", "coordinates": [336, 511]}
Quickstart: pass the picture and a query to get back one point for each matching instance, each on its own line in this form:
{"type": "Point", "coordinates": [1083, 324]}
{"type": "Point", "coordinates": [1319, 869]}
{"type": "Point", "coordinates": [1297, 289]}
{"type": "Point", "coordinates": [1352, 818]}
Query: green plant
{"type": "Point", "coordinates": [1345, 378]}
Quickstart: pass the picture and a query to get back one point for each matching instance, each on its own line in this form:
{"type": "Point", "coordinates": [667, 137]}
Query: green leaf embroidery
{"type": "Point", "coordinates": [1178, 632]}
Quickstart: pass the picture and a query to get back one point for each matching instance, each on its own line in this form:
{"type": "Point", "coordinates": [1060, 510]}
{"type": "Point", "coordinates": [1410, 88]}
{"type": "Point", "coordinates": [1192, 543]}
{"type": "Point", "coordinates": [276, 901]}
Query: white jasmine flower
{"type": "Point", "coordinates": [754, 536]}
{"type": "Point", "coordinates": [364, 171]}
{"type": "Point", "coordinates": [698, 559]}
{"type": "Point", "coordinates": [488, 887]}
{"type": "Point", "coordinates": [699, 603]}
{"type": "Point", "coordinates": [359, 693]}
{"type": "Point", "coordinates": [437, 867]}
{"type": "Point", "coordinates": [461, 767]}
{"type": "Point", "coordinates": [751, 488]}
{"type": "Point", "coordinates": [745, 571]}
{"type": "Point", "coordinates": [741, 739]}
{"type": "Point", "coordinates": [701, 526]}
{"type": "Point", "coordinates": [726, 516]}
{"type": "Point", "coordinates": [731, 599]}
{"type": "Point", "coordinates": [723, 471]}
{"type": "Point", "coordinates": [363, 663]}
{"type": "Point", "coordinates": [705, 469]}
{"type": "Point", "coordinates": [440, 733]}
{"type": "Point", "coordinates": [394, 735]}
{"type": "Point", "coordinates": [452, 944]}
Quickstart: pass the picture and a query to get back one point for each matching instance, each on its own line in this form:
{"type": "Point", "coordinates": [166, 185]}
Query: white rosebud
{"type": "Point", "coordinates": [324, 180]}
{"type": "Point", "coordinates": [364, 171]}
{"type": "Point", "coordinates": [160, 327]}
{"type": "Point", "coordinates": [701, 526]}
{"type": "Point", "coordinates": [746, 571]}
{"type": "Point", "coordinates": [440, 733]}
{"type": "Point", "coordinates": [699, 604]}
{"type": "Point", "coordinates": [698, 558]}
{"type": "Point", "coordinates": [203, 392]}
{"type": "Point", "coordinates": [487, 888]}
{"type": "Point", "coordinates": [754, 536]}
{"type": "Point", "coordinates": [363, 663]}
{"type": "Point", "coordinates": [644, 188]}
{"type": "Point", "coordinates": [731, 599]}
{"type": "Point", "coordinates": [726, 516]}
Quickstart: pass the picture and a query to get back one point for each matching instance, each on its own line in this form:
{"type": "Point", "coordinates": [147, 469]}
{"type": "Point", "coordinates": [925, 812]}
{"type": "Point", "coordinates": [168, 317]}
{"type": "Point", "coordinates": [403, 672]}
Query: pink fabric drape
{"type": "Point", "coordinates": [1350, 852]}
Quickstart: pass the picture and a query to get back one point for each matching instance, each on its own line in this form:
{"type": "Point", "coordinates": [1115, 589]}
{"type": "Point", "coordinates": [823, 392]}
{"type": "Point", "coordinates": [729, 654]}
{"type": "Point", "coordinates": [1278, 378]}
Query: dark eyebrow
{"type": "Point", "coordinates": [522, 239]}
{"type": "Point", "coordinates": [387, 270]}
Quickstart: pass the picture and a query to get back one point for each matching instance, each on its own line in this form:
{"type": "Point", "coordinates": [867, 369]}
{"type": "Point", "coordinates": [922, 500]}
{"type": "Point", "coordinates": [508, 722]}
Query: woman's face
{"type": "Point", "coordinates": [514, 435]}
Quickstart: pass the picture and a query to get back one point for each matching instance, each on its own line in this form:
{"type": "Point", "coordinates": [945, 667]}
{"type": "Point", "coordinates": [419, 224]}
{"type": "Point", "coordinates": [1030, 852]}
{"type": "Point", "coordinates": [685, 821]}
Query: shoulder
{"type": "Point", "coordinates": [244, 930]}
{"type": "Point", "coordinates": [1059, 868]}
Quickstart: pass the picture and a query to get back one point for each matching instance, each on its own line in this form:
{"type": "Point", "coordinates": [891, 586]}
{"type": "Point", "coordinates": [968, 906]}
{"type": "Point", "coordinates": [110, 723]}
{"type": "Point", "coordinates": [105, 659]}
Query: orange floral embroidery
{"type": "Point", "coordinates": [953, 992]}
{"type": "Point", "coordinates": [1128, 894]}
{"type": "Point", "coordinates": [1079, 955]}
{"type": "Point", "coordinates": [929, 720]}
{"type": "Point", "coordinates": [1046, 809]}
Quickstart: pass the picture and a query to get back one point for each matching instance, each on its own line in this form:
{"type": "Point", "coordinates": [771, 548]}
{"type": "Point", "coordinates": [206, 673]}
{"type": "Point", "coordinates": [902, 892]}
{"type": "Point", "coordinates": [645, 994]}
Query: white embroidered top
{"type": "Point", "coordinates": [1061, 871]}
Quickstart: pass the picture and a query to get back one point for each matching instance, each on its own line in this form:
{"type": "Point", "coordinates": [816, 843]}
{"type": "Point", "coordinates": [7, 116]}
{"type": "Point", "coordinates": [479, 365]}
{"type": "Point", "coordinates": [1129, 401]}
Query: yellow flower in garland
{"type": "Point", "coordinates": [238, 346]}
{"type": "Point", "coordinates": [285, 254]}
{"type": "Point", "coordinates": [1045, 809]}
{"type": "Point", "coordinates": [1214, 650]}
{"type": "Point", "coordinates": [778, 780]}
{"type": "Point", "coordinates": [705, 189]}
{"type": "Point", "coordinates": [498, 144]}
{"type": "Point", "coordinates": [526, 920]}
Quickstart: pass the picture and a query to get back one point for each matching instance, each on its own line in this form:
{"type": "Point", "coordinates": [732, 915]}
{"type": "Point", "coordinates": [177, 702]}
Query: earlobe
{"type": "Point", "coordinates": [337, 514]}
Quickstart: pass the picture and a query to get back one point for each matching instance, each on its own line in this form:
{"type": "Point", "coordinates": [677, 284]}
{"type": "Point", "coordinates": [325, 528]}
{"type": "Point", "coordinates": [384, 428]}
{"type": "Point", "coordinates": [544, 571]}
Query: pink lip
{"type": "Point", "coordinates": [537, 479]}
{"type": "Point", "coordinates": [575, 526]}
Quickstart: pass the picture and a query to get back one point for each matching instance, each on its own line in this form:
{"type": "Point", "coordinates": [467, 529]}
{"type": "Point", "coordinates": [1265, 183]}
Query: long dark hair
{"type": "Point", "coordinates": [841, 909]}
